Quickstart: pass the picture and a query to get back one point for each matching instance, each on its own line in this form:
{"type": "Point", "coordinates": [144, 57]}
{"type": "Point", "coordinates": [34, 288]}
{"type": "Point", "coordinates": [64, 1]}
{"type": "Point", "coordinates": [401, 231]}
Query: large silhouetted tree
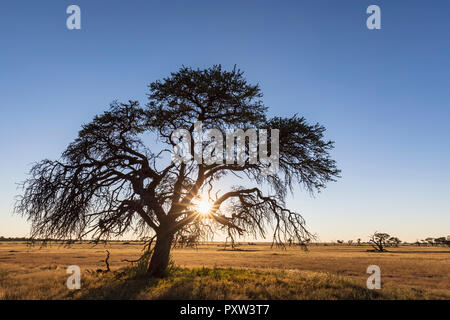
{"type": "Point", "coordinates": [108, 182]}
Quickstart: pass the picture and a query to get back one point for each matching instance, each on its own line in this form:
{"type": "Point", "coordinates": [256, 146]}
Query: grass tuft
{"type": "Point", "coordinates": [3, 275]}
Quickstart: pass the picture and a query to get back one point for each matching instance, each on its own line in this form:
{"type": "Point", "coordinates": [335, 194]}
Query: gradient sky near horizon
{"type": "Point", "coordinates": [383, 95]}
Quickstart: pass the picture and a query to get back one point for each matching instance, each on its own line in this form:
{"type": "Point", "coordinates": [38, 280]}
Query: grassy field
{"type": "Point", "coordinates": [210, 272]}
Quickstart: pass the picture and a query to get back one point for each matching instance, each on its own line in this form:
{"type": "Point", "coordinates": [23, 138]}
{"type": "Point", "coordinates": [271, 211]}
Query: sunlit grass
{"type": "Point", "coordinates": [203, 283]}
{"type": "Point", "coordinates": [254, 272]}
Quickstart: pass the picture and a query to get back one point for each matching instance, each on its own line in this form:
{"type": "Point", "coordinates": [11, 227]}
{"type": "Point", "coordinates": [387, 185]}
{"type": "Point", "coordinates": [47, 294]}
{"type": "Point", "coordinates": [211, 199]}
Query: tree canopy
{"type": "Point", "coordinates": [109, 181]}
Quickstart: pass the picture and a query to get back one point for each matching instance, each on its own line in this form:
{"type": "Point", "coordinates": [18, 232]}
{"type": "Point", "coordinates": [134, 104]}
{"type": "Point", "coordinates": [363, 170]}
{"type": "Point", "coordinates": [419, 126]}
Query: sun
{"type": "Point", "coordinates": [203, 206]}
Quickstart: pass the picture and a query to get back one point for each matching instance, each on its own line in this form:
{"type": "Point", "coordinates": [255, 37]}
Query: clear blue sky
{"type": "Point", "coordinates": [384, 95]}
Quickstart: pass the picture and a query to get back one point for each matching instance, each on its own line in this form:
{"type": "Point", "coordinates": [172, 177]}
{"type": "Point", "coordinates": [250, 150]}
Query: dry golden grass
{"type": "Point", "coordinates": [257, 272]}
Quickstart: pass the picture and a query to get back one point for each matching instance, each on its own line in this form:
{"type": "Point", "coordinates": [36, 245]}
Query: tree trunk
{"type": "Point", "coordinates": [160, 257]}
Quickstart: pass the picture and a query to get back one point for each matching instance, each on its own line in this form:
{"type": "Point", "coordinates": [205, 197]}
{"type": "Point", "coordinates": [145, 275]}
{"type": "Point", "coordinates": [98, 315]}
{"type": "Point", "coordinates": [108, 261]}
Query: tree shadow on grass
{"type": "Point", "coordinates": [218, 283]}
{"type": "Point", "coordinates": [420, 251]}
{"type": "Point", "coordinates": [119, 288]}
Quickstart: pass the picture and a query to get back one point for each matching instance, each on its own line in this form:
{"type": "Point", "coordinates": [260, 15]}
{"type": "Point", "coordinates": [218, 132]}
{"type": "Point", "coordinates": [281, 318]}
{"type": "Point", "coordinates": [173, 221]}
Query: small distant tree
{"type": "Point", "coordinates": [378, 241]}
{"type": "Point", "coordinates": [440, 241]}
{"type": "Point", "coordinates": [429, 241]}
{"type": "Point", "coordinates": [358, 241]}
{"type": "Point", "coordinates": [350, 242]}
{"type": "Point", "coordinates": [290, 241]}
{"type": "Point", "coordinates": [394, 241]}
{"type": "Point", "coordinates": [304, 244]}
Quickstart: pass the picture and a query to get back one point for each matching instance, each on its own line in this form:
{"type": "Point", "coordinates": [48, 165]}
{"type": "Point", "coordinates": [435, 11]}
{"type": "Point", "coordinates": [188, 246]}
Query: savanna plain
{"type": "Point", "coordinates": [212, 271]}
